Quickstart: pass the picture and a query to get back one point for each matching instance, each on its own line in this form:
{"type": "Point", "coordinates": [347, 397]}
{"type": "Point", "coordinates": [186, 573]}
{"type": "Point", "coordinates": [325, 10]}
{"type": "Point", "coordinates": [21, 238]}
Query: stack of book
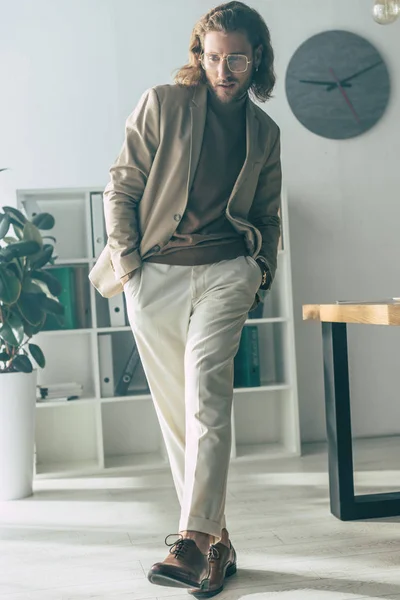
{"type": "Point", "coordinates": [59, 392]}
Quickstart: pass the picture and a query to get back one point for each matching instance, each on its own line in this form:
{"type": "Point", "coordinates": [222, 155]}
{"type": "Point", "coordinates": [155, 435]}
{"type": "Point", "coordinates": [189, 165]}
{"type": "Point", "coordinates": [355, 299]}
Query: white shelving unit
{"type": "Point", "coordinates": [96, 434]}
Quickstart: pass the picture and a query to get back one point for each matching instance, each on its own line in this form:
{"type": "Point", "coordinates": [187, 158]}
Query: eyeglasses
{"type": "Point", "coordinates": [237, 63]}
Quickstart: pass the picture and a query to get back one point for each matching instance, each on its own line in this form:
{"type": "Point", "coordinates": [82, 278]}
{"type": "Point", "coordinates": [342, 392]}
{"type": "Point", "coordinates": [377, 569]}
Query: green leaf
{"type": "Point", "coordinates": [30, 287]}
{"type": "Point", "coordinates": [17, 328]}
{"type": "Point", "coordinates": [18, 229]}
{"type": "Point", "coordinates": [49, 237]}
{"type": "Point", "coordinates": [6, 169]}
{"type": "Point", "coordinates": [15, 214]}
{"type": "Point", "coordinates": [52, 282]}
{"type": "Point", "coordinates": [31, 330]}
{"type": "Point", "coordinates": [31, 232]}
{"type": "Point", "coordinates": [37, 355]}
{"type": "Point", "coordinates": [12, 330]}
{"type": "Point", "coordinates": [10, 286]}
{"type": "Point", "coordinates": [22, 363]}
{"type": "Point", "coordinates": [44, 221]}
{"type": "Point", "coordinates": [53, 306]}
{"type": "Point", "coordinates": [43, 257]}
{"type": "Point", "coordinates": [10, 335]}
{"type": "Point", "coordinates": [31, 307]}
{"type": "Point", "coordinates": [4, 225]}
{"type": "Point", "coordinates": [19, 249]}
{"type": "Point", "coordinates": [4, 357]}
{"type": "Point", "coordinates": [7, 335]}
{"type": "Point", "coordinates": [17, 268]}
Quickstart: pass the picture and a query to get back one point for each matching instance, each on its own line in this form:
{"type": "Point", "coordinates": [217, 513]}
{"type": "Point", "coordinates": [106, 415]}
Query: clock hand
{"type": "Point", "coordinates": [328, 83]}
{"type": "Point", "coordinates": [345, 96]}
{"type": "Point", "coordinates": [361, 72]}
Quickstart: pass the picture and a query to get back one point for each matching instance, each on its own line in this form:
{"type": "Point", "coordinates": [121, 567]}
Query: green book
{"type": "Point", "coordinates": [247, 359]}
{"type": "Point", "coordinates": [66, 277]}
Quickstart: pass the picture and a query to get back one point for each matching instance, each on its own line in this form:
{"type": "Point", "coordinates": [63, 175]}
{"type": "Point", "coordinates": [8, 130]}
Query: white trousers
{"type": "Point", "coordinates": [187, 323]}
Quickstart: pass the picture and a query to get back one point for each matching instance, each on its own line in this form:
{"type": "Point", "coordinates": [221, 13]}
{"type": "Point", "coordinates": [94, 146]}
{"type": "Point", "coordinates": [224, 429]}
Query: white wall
{"type": "Point", "coordinates": [344, 214]}
{"type": "Point", "coordinates": [59, 93]}
{"type": "Point", "coordinates": [72, 70]}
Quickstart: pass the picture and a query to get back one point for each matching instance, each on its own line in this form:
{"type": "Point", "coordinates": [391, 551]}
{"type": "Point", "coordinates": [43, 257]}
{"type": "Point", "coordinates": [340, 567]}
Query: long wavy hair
{"type": "Point", "coordinates": [233, 16]}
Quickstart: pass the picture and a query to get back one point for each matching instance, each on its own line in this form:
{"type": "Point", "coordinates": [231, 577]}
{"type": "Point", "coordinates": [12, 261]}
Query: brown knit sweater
{"type": "Point", "coordinates": [204, 235]}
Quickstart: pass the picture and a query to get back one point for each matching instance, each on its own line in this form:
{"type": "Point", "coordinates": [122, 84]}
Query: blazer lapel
{"type": "Point", "coordinates": [198, 112]}
{"type": "Point", "coordinates": [252, 150]}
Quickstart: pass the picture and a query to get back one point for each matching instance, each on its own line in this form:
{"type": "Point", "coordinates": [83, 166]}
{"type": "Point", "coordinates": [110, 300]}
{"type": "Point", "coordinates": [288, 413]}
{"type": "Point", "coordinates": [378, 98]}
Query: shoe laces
{"type": "Point", "coordinates": [178, 548]}
{"type": "Point", "coordinates": [213, 553]}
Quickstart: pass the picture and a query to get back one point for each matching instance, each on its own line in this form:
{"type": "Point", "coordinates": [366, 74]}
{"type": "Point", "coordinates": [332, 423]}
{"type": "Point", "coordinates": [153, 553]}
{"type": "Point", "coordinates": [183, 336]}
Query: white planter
{"type": "Point", "coordinates": [17, 434]}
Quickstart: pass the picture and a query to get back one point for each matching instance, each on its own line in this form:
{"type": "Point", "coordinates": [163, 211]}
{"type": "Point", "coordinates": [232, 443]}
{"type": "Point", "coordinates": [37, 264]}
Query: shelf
{"type": "Point", "coordinates": [261, 451]}
{"type": "Point", "coordinates": [128, 398]}
{"type": "Point", "coordinates": [266, 320]}
{"type": "Point", "coordinates": [74, 261]}
{"type": "Point", "coordinates": [134, 461]}
{"type": "Point", "coordinates": [50, 404]}
{"type": "Point", "coordinates": [248, 322]}
{"type": "Point", "coordinates": [110, 435]}
{"type": "Point", "coordinates": [69, 358]}
{"type": "Point", "coordinates": [111, 329]}
{"type": "Point", "coordinates": [66, 332]}
{"type": "Point", "coordinates": [274, 387]}
{"type": "Point", "coordinates": [147, 397]}
{"type": "Point", "coordinates": [141, 397]}
{"type": "Point", "coordinates": [67, 469]}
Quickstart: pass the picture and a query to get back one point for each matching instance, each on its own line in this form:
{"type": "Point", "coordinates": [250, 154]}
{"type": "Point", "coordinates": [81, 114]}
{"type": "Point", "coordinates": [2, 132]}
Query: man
{"type": "Point", "coordinates": [192, 221]}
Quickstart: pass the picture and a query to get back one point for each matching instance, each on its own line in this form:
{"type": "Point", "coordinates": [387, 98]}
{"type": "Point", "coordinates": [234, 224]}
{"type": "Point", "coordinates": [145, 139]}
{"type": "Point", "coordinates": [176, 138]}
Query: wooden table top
{"type": "Point", "coordinates": [370, 313]}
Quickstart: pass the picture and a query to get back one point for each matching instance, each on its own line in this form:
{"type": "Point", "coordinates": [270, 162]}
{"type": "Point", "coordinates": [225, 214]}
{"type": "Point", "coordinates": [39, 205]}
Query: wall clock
{"type": "Point", "coordinates": [337, 84]}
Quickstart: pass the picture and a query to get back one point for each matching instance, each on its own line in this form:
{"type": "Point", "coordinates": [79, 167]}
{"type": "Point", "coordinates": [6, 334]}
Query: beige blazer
{"type": "Point", "coordinates": [153, 173]}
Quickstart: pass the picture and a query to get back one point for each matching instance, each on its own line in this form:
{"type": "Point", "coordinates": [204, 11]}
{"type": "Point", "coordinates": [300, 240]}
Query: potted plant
{"type": "Point", "coordinates": [28, 292]}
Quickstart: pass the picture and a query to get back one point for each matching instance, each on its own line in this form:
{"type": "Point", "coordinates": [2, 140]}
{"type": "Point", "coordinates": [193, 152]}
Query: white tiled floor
{"type": "Point", "coordinates": [95, 538]}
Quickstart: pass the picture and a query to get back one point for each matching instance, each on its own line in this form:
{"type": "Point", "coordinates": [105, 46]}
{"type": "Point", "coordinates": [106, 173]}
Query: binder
{"type": "Point", "coordinates": [106, 365]}
{"type": "Point", "coordinates": [116, 309]}
{"type": "Point", "coordinates": [247, 360]}
{"type": "Point", "coordinates": [121, 389]}
{"type": "Point", "coordinates": [98, 224]}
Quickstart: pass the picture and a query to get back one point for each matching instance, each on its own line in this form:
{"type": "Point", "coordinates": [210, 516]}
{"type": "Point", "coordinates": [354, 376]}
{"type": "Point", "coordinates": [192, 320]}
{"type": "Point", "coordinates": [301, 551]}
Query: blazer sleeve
{"type": "Point", "coordinates": [128, 177]}
{"type": "Point", "coordinates": [264, 212]}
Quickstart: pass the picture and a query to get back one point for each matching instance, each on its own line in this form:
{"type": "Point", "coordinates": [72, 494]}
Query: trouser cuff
{"type": "Point", "coordinates": [201, 525]}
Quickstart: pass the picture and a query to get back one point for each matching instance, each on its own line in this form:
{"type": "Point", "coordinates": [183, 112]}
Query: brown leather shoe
{"type": "Point", "coordinates": [222, 561]}
{"type": "Point", "coordinates": [184, 567]}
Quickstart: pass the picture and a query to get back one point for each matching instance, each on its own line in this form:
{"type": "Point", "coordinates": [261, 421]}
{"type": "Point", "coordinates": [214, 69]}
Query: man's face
{"type": "Point", "coordinates": [227, 86]}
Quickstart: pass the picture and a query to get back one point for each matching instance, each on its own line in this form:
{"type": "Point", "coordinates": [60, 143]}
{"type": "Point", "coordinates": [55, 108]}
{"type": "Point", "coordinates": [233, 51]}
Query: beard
{"type": "Point", "coordinates": [229, 90]}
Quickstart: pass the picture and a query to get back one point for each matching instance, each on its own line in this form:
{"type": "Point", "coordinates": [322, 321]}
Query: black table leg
{"type": "Point", "coordinates": [338, 419]}
{"type": "Point", "coordinates": [344, 504]}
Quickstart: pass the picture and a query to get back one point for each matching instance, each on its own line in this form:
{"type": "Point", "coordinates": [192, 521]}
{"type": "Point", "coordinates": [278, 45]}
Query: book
{"type": "Point", "coordinates": [247, 360]}
{"type": "Point", "coordinates": [56, 390]}
{"type": "Point", "coordinates": [258, 312]}
{"type": "Point", "coordinates": [82, 297]}
{"type": "Point", "coordinates": [57, 399]}
{"type": "Point", "coordinates": [66, 277]}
